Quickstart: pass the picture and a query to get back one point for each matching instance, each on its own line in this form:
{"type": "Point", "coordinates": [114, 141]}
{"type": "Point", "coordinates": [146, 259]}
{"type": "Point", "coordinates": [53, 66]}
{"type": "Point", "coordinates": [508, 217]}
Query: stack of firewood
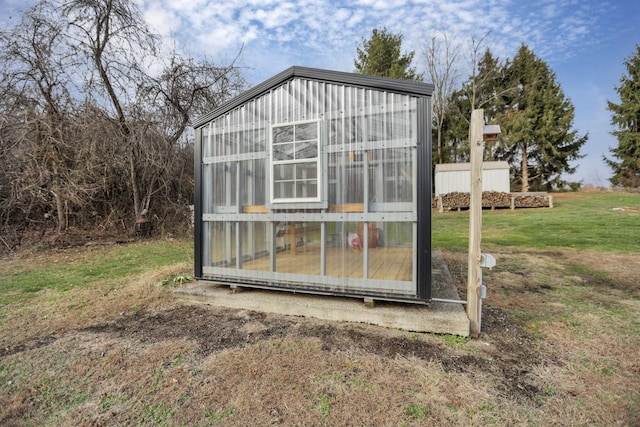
{"type": "Point", "coordinates": [455, 200]}
{"type": "Point", "coordinates": [531, 201]}
{"type": "Point", "coordinates": [496, 199]}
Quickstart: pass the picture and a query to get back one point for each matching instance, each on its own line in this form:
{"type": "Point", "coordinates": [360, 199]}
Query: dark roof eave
{"type": "Point", "coordinates": [361, 80]}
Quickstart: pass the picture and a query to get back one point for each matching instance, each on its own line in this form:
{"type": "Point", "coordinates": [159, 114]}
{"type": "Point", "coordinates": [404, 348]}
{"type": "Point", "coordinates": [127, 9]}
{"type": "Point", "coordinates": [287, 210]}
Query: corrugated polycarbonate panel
{"type": "Point", "coordinates": [366, 151]}
{"type": "Point", "coordinates": [253, 182]}
{"type": "Point", "coordinates": [256, 248]}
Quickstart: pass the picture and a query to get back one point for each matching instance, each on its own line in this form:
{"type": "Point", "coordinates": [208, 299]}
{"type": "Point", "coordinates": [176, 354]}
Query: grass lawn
{"type": "Point", "coordinates": [599, 221]}
{"type": "Point", "coordinates": [93, 336]}
{"type": "Point", "coordinates": [62, 270]}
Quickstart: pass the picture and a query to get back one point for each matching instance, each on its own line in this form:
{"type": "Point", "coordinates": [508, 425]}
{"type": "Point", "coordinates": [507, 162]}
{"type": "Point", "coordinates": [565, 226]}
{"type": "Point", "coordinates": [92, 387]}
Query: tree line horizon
{"type": "Point", "coordinates": [521, 95]}
{"type": "Point", "coordinates": [95, 117]}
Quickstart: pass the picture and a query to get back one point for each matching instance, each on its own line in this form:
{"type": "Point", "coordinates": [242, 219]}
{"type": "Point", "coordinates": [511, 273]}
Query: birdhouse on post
{"type": "Point", "coordinates": [490, 133]}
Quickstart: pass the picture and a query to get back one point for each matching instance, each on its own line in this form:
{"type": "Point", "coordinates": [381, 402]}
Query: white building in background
{"type": "Point", "coordinates": [456, 177]}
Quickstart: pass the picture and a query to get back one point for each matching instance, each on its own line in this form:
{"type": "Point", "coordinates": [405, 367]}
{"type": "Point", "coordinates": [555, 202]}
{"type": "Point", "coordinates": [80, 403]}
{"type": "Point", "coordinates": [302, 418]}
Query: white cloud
{"type": "Point", "coordinates": [166, 23]}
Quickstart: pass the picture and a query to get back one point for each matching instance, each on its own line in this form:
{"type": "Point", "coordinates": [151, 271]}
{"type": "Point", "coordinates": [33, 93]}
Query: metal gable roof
{"type": "Point", "coordinates": [339, 77]}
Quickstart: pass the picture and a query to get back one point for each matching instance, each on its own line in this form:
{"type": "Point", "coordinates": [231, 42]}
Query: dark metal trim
{"type": "Point", "coordinates": [197, 205]}
{"type": "Point", "coordinates": [339, 77]}
{"type": "Point", "coordinates": [314, 290]}
{"type": "Point", "coordinates": [424, 199]}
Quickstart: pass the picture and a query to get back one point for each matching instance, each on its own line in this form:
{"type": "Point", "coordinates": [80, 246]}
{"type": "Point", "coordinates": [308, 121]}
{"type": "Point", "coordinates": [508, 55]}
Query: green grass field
{"type": "Point", "coordinates": [65, 269]}
{"type": "Point", "coordinates": [578, 220]}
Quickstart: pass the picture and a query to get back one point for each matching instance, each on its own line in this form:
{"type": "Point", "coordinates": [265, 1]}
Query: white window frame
{"type": "Point", "coordinates": [315, 160]}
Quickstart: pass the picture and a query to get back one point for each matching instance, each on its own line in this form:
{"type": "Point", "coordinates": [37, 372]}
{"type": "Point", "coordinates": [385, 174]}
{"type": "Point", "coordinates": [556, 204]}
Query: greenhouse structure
{"type": "Point", "coordinates": [320, 182]}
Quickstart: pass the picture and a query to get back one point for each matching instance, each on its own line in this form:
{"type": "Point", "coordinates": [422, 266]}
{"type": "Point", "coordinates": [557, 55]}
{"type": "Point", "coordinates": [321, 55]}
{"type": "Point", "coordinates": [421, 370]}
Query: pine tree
{"type": "Point", "coordinates": [626, 117]}
{"type": "Point", "coordinates": [381, 55]}
{"type": "Point", "coordinates": [536, 138]}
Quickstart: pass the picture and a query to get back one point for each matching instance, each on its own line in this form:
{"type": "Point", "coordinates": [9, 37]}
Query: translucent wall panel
{"type": "Point", "coordinates": [256, 248]}
{"type": "Point", "coordinates": [392, 258]}
{"type": "Point", "coordinates": [219, 248]}
{"type": "Point", "coordinates": [396, 234]}
{"type": "Point", "coordinates": [391, 175]}
{"type": "Point", "coordinates": [221, 138]}
{"type": "Point", "coordinates": [219, 183]}
{"type": "Point", "coordinates": [297, 100]}
{"type": "Point", "coordinates": [346, 259]}
{"type": "Point", "coordinates": [253, 182]}
{"type": "Point", "coordinates": [298, 248]}
{"type": "Point", "coordinates": [346, 177]}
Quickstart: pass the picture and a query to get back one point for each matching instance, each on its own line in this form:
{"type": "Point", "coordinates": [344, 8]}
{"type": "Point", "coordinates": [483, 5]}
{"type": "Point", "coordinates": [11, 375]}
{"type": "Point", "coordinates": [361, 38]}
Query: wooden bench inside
{"type": "Point", "coordinates": [293, 229]}
{"type": "Point", "coordinates": [347, 207]}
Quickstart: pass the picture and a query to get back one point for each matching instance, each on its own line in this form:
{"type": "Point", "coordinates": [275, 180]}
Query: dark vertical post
{"type": "Point", "coordinates": [423, 258]}
{"type": "Point", "coordinates": [197, 204]}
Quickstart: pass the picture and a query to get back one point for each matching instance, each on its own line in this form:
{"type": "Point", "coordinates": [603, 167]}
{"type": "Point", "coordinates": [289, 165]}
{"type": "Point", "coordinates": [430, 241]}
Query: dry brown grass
{"type": "Point", "coordinates": [560, 346]}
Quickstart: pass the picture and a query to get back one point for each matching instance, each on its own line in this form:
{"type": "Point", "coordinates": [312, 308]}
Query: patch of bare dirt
{"type": "Point", "coordinates": [508, 350]}
{"type": "Point", "coordinates": [212, 330]}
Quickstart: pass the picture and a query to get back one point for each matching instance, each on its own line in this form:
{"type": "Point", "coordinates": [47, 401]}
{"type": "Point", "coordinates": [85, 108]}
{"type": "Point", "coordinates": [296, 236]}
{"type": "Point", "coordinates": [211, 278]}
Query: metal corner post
{"type": "Point", "coordinates": [424, 199]}
{"type": "Point", "coordinates": [197, 204]}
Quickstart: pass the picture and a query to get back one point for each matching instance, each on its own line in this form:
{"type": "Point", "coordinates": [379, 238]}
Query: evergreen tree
{"type": "Point", "coordinates": [626, 117]}
{"type": "Point", "coordinates": [381, 56]}
{"type": "Point", "coordinates": [536, 138]}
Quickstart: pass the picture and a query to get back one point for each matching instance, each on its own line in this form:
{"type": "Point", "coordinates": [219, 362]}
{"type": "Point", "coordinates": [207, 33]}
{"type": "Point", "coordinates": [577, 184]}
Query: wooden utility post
{"type": "Point", "coordinates": [476, 146]}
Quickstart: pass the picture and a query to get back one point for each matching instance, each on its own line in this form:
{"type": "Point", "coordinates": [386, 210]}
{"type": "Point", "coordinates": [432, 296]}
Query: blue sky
{"type": "Point", "coordinates": [583, 41]}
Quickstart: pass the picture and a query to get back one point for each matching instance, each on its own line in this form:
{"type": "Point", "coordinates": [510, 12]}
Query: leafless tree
{"type": "Point", "coordinates": [185, 87]}
{"type": "Point", "coordinates": [89, 136]}
{"type": "Point", "coordinates": [441, 54]}
{"type": "Point", "coordinates": [114, 38]}
{"type": "Point", "coordinates": [188, 86]}
{"type": "Point", "coordinates": [37, 102]}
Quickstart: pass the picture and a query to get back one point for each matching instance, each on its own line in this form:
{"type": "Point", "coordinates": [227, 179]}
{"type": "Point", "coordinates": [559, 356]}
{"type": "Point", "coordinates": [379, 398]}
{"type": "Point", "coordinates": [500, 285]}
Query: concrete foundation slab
{"type": "Point", "coordinates": [436, 317]}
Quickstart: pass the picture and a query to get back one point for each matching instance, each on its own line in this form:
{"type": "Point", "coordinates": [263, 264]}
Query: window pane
{"type": "Point", "coordinates": [295, 155]}
{"type": "Point", "coordinates": [282, 134]}
{"type": "Point", "coordinates": [283, 152]}
{"type": "Point", "coordinates": [283, 190]}
{"type": "Point", "coordinates": [306, 150]}
{"type": "Point", "coordinates": [283, 172]}
{"type": "Point", "coordinates": [306, 171]}
{"type": "Point", "coordinates": [307, 188]}
{"type": "Point", "coordinates": [306, 131]}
